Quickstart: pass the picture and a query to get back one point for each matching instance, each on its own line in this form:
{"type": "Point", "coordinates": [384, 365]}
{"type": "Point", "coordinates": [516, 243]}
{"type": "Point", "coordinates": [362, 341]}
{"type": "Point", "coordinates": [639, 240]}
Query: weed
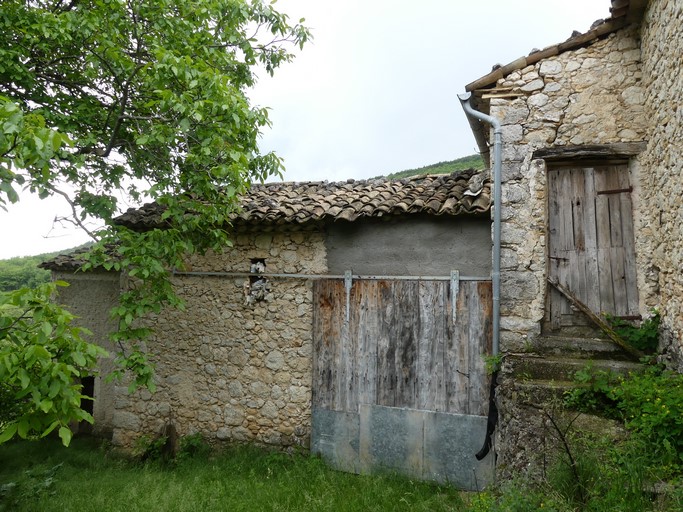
{"type": "Point", "coordinates": [193, 446]}
{"type": "Point", "coordinates": [643, 336]}
{"type": "Point", "coordinates": [493, 363]}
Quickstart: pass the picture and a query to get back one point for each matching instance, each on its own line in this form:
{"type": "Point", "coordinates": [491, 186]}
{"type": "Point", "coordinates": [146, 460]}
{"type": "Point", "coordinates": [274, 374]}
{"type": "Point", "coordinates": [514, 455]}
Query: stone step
{"type": "Point", "coordinates": [560, 367]}
{"type": "Point", "coordinates": [578, 348]}
{"type": "Point", "coordinates": [541, 392]}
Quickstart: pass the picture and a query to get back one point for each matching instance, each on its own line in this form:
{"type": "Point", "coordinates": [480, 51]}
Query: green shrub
{"type": "Point", "coordinates": [592, 392]}
{"type": "Point", "coordinates": [643, 336]}
{"type": "Point", "coordinates": [651, 404]}
{"type": "Point", "coordinates": [193, 446]}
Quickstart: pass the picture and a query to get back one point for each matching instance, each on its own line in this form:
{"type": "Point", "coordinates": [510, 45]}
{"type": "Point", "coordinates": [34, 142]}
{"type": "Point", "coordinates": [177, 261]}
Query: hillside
{"type": "Point", "coordinates": [459, 164]}
{"type": "Point", "coordinates": [23, 271]}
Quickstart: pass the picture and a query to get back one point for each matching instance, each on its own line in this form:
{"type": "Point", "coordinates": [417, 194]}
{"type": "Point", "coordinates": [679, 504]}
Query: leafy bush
{"type": "Point", "coordinates": [193, 446]}
{"type": "Point", "coordinates": [592, 392]}
{"type": "Point", "coordinates": [643, 336]}
{"type": "Point", "coordinates": [652, 407]}
{"type": "Point", "coordinates": [42, 358]}
{"type": "Point", "coordinates": [649, 403]}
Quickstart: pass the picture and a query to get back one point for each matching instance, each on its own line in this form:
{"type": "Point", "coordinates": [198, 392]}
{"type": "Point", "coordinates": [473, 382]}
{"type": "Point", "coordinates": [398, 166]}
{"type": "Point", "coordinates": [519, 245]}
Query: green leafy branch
{"type": "Point", "coordinates": [43, 356]}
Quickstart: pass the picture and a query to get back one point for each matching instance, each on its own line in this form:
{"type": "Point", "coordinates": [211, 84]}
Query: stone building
{"type": "Point", "coordinates": [592, 200]}
{"type": "Point", "coordinates": [249, 358]}
{"type": "Point", "coordinates": [592, 194]}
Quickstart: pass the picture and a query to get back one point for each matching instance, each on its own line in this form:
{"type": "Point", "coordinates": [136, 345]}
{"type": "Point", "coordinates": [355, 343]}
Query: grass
{"type": "Point", "coordinates": [44, 476]}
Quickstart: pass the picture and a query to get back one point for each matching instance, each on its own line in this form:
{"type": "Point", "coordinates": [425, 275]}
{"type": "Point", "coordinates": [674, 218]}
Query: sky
{"type": "Point", "coordinates": [375, 92]}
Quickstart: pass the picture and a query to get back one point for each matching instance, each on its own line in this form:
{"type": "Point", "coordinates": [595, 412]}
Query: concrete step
{"type": "Point", "coordinates": [578, 348]}
{"type": "Point", "coordinates": [560, 367]}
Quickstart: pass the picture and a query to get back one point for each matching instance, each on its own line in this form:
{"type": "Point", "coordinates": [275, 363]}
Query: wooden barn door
{"type": "Point", "coordinates": [591, 243]}
{"type": "Point", "coordinates": [401, 345]}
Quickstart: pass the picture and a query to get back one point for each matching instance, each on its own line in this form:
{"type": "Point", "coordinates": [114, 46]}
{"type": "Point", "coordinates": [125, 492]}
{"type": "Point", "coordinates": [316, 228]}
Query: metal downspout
{"type": "Point", "coordinates": [497, 165]}
{"type": "Point", "coordinates": [495, 273]}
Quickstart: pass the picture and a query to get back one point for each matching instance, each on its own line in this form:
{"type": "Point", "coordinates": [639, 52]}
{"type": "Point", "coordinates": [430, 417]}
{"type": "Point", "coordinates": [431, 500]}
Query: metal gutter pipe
{"type": "Point", "coordinates": [497, 165]}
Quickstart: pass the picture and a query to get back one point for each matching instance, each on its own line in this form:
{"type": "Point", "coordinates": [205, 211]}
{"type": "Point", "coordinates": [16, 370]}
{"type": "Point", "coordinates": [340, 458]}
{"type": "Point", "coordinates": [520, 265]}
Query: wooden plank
{"type": "Point", "coordinates": [576, 244]}
{"type": "Point", "coordinates": [616, 253]}
{"type": "Point", "coordinates": [367, 332]}
{"type": "Point", "coordinates": [480, 341]}
{"type": "Point", "coordinates": [594, 151]}
{"type": "Point", "coordinates": [630, 267]}
{"type": "Point", "coordinates": [604, 242]}
{"type": "Point", "coordinates": [386, 347]}
{"type": "Point", "coordinates": [591, 242]}
{"type": "Point", "coordinates": [437, 384]}
{"type": "Point", "coordinates": [554, 298]}
{"type": "Point", "coordinates": [406, 339]}
{"type": "Point", "coordinates": [455, 362]}
{"type": "Point", "coordinates": [636, 354]}
{"type": "Point", "coordinates": [430, 338]}
{"type": "Point", "coordinates": [619, 285]}
{"type": "Point", "coordinates": [327, 329]}
{"type": "Point", "coordinates": [565, 240]}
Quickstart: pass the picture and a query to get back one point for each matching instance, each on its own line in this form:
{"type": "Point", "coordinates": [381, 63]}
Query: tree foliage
{"type": "Point", "coordinates": [22, 272]}
{"type": "Point", "coordinates": [42, 357]}
{"type": "Point", "coordinates": [146, 97]}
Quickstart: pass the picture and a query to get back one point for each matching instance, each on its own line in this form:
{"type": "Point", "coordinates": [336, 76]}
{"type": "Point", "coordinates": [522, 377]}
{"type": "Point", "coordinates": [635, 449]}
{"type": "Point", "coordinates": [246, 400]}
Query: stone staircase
{"type": "Point", "coordinates": [531, 385]}
{"type": "Point", "coordinates": [546, 369]}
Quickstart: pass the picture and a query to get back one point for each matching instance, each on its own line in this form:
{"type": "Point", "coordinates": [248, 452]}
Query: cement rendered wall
{"type": "Point", "coordinates": [412, 247]}
{"type": "Point", "coordinates": [662, 183]}
{"type": "Point", "coordinates": [593, 95]}
{"type": "Point", "coordinates": [90, 296]}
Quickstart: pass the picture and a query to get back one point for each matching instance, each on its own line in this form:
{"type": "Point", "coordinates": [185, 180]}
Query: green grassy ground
{"type": "Point", "coordinates": [44, 476]}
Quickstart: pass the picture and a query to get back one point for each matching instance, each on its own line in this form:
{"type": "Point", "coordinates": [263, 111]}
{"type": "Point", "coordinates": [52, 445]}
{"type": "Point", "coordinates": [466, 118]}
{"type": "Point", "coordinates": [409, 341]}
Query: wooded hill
{"type": "Point", "coordinates": [451, 166]}
{"type": "Point", "coordinates": [23, 271]}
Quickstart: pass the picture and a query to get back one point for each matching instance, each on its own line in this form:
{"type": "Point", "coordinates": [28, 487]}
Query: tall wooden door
{"type": "Point", "coordinates": [591, 243]}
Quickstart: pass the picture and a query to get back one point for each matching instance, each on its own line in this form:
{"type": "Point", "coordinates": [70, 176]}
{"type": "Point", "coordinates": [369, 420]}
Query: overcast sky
{"type": "Point", "coordinates": [374, 93]}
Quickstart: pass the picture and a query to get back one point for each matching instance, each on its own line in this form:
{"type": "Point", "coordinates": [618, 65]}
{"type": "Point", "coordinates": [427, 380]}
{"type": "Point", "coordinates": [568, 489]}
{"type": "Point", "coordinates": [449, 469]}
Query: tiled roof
{"type": "Point", "coordinates": [462, 193]}
{"type": "Point", "coordinates": [466, 192]}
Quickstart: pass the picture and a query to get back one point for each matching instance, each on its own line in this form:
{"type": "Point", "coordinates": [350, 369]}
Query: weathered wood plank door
{"type": "Point", "coordinates": [591, 246]}
{"type": "Point", "coordinates": [401, 345]}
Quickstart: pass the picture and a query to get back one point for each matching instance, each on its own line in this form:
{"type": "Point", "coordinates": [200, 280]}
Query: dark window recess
{"type": "Point", "coordinates": [88, 390]}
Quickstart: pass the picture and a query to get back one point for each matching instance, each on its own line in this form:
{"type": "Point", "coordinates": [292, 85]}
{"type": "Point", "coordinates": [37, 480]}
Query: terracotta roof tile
{"type": "Point", "coordinates": [283, 203]}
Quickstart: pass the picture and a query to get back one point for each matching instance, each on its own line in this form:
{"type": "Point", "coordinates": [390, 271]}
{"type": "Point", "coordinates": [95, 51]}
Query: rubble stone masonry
{"type": "Point", "coordinates": [662, 184]}
{"type": "Point", "coordinates": [592, 95]}
{"type": "Point", "coordinates": [236, 364]}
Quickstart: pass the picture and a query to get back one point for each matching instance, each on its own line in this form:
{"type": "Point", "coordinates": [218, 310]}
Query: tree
{"type": "Point", "coordinates": [42, 358]}
{"type": "Point", "coordinates": [146, 97]}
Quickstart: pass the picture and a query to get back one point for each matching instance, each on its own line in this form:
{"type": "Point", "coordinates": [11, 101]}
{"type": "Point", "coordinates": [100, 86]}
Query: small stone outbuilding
{"type": "Point", "coordinates": [251, 352]}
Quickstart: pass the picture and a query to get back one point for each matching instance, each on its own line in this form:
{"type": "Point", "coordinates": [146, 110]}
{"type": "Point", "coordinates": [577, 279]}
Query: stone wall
{"type": "Point", "coordinates": [233, 365]}
{"type": "Point", "coordinates": [90, 296]}
{"type": "Point", "coordinates": [593, 95]}
{"type": "Point", "coordinates": [662, 184]}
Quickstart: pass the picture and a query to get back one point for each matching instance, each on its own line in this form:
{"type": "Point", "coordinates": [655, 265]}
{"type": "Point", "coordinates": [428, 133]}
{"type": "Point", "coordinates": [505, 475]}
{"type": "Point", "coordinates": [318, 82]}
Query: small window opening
{"type": "Point", "coordinates": [256, 288]}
